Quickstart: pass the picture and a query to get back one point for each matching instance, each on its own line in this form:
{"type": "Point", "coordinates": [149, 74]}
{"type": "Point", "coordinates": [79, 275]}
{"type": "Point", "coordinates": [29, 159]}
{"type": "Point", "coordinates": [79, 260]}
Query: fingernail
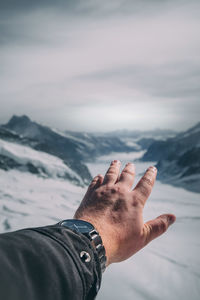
{"type": "Point", "coordinates": [99, 175]}
{"type": "Point", "coordinates": [115, 161]}
{"type": "Point", "coordinates": [171, 219]}
{"type": "Point", "coordinates": [130, 165]}
{"type": "Point", "coordinates": [152, 168]}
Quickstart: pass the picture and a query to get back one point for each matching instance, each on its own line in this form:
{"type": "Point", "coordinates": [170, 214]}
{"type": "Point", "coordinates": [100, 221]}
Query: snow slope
{"type": "Point", "coordinates": [28, 200]}
{"type": "Point", "coordinates": [47, 164]}
{"type": "Point", "coordinates": [168, 268]}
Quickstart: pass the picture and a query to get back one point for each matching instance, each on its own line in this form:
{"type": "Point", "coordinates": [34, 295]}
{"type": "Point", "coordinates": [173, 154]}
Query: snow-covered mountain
{"type": "Point", "coordinates": [28, 146]}
{"type": "Point", "coordinates": [178, 159]}
{"type": "Point", "coordinates": [25, 159]}
{"type": "Point", "coordinates": [72, 147]}
{"type": "Point", "coordinates": [43, 138]}
{"type": "Point", "coordinates": [103, 143]}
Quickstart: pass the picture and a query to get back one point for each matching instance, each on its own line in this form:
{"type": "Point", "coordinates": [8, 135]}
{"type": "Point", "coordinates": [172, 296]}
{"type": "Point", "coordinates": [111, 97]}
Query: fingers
{"type": "Point", "coordinates": [144, 187]}
{"type": "Point", "coordinates": [113, 172]}
{"type": "Point", "coordinates": [156, 227]}
{"type": "Point", "coordinates": [128, 174]}
{"type": "Point", "coordinates": [95, 183]}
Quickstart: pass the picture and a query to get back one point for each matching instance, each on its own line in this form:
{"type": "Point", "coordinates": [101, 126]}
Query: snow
{"type": "Point", "coordinates": [130, 156]}
{"type": "Point", "coordinates": [52, 165]}
{"type": "Point", "coordinates": [28, 200]}
{"type": "Point", "coordinates": [74, 138]}
{"type": "Point", "coordinates": [168, 268]}
{"type": "Point", "coordinates": [132, 144]}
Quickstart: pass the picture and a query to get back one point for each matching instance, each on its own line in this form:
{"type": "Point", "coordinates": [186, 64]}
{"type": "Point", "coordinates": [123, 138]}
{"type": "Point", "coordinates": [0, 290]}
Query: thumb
{"type": "Point", "coordinates": [154, 228]}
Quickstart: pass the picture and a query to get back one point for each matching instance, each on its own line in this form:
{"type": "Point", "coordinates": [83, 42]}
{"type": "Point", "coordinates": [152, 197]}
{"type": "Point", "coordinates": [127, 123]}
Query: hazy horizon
{"type": "Point", "coordinates": [98, 131]}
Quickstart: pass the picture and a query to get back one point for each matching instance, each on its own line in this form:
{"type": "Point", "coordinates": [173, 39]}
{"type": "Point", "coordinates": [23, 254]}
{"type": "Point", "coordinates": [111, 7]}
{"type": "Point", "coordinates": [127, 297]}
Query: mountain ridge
{"type": "Point", "coordinates": [42, 138]}
{"type": "Point", "coordinates": [177, 155]}
{"type": "Point", "coordinates": [178, 159]}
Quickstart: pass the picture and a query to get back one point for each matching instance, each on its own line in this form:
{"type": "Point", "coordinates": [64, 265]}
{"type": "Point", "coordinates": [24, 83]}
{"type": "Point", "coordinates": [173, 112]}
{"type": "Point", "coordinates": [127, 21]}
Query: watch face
{"type": "Point", "coordinates": [78, 225]}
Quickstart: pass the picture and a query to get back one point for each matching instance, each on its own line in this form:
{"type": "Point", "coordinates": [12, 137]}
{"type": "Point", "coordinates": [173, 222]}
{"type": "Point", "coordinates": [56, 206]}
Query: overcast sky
{"type": "Point", "coordinates": [101, 65]}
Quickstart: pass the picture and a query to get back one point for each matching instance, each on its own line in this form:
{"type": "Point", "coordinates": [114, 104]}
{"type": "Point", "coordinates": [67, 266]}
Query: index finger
{"type": "Point", "coordinates": [144, 187]}
{"type": "Point", "coordinates": [112, 174]}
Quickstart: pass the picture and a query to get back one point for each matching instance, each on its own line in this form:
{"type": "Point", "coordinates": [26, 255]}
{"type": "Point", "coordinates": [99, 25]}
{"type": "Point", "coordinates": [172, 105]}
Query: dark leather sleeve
{"type": "Point", "coordinates": [44, 264]}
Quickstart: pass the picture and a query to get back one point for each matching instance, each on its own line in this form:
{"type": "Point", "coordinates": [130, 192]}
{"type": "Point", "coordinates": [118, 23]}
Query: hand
{"type": "Point", "coordinates": [116, 211]}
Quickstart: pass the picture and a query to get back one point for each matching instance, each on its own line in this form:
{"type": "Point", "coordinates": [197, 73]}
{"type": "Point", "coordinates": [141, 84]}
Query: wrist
{"type": "Point", "coordinates": [105, 234]}
{"type": "Point", "coordinates": [87, 229]}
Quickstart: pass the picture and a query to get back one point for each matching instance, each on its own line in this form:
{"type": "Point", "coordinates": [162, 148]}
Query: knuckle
{"type": "Point", "coordinates": [114, 189]}
{"type": "Point", "coordinates": [98, 194]}
{"type": "Point", "coordinates": [147, 233]}
{"type": "Point", "coordinates": [121, 190]}
{"type": "Point", "coordinates": [125, 171]}
{"type": "Point", "coordinates": [94, 180]}
{"type": "Point", "coordinates": [136, 202]}
{"type": "Point", "coordinates": [163, 225]}
{"type": "Point", "coordinates": [111, 172]}
{"type": "Point", "coordinates": [142, 192]}
{"type": "Point", "coordinates": [144, 187]}
{"type": "Point", "coordinates": [101, 200]}
{"type": "Point", "coordinates": [147, 181]}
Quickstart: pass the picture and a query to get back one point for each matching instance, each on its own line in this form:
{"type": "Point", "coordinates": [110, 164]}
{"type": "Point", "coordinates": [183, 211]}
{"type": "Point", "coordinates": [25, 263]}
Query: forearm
{"type": "Point", "coordinates": [44, 263]}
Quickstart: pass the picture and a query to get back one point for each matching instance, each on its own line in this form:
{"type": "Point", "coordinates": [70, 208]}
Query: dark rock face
{"type": "Point", "coordinates": [18, 122]}
{"type": "Point", "coordinates": [156, 151]}
{"type": "Point", "coordinates": [8, 135]}
{"type": "Point", "coordinates": [76, 148]}
{"type": "Point", "coordinates": [178, 159]}
{"type": "Point", "coordinates": [7, 163]}
{"type": "Point", "coordinates": [72, 148]}
{"type": "Point", "coordinates": [44, 139]}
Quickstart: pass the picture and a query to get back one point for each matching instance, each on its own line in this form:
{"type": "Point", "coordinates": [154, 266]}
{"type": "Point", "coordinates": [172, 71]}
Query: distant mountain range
{"type": "Point", "coordinates": [72, 148]}
{"type": "Point", "coordinates": [29, 146]}
{"type": "Point", "coordinates": [178, 159]}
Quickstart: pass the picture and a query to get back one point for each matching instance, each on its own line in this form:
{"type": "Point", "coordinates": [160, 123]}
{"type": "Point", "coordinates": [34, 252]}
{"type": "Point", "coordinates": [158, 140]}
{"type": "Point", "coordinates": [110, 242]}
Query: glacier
{"type": "Point", "coordinates": [168, 268]}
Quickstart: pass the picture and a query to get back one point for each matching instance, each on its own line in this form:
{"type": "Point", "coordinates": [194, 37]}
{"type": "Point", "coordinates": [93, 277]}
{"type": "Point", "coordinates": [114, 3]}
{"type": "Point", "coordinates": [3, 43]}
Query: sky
{"type": "Point", "coordinates": [100, 65]}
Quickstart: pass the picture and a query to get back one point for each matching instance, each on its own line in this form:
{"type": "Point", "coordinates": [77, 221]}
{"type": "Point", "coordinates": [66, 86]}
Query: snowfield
{"type": "Point", "coordinates": [49, 165]}
{"type": "Point", "coordinates": [29, 200]}
{"type": "Point", "coordinates": [168, 268]}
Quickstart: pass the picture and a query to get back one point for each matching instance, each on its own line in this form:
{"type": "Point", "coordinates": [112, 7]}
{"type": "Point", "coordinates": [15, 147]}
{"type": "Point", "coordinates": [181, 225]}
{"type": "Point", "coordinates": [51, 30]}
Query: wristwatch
{"type": "Point", "coordinates": [88, 230]}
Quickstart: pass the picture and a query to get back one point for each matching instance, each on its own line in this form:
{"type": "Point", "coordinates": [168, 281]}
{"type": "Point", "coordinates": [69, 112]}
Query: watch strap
{"type": "Point", "coordinates": [98, 246]}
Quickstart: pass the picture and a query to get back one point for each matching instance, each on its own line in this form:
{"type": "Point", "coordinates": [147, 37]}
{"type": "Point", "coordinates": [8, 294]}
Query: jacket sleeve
{"type": "Point", "coordinates": [45, 263]}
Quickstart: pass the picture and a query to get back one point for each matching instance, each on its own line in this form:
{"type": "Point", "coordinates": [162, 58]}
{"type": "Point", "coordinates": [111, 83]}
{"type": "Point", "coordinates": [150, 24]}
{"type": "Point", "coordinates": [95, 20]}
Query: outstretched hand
{"type": "Point", "coordinates": [116, 211]}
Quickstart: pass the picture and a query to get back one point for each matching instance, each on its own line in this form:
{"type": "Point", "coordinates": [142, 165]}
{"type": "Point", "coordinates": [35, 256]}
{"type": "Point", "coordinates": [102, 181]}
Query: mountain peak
{"type": "Point", "coordinates": [18, 120]}
{"type": "Point", "coordinates": [22, 125]}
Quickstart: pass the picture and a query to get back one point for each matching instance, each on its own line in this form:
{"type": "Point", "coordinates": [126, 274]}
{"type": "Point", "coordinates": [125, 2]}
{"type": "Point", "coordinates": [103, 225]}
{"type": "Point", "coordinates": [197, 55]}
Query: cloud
{"type": "Point", "coordinates": [71, 58]}
{"type": "Point", "coordinates": [177, 80]}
